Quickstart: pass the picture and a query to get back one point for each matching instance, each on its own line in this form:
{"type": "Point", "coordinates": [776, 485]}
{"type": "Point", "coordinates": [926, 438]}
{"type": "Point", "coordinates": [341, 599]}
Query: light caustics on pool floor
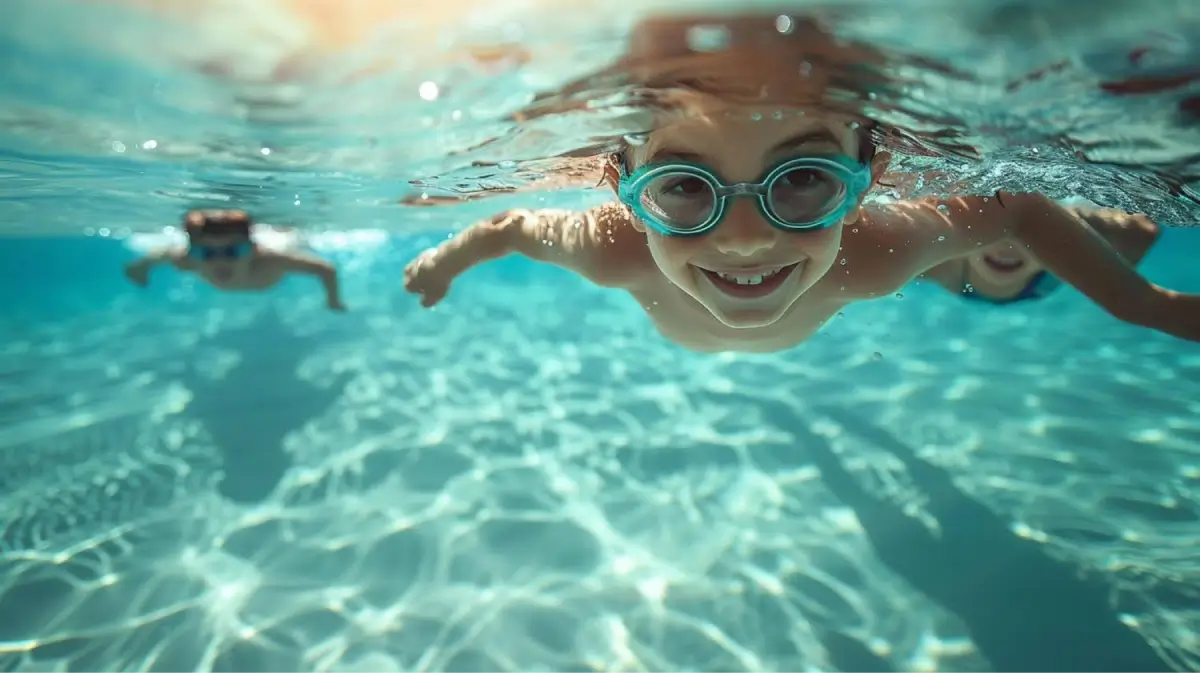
{"type": "Point", "coordinates": [527, 478]}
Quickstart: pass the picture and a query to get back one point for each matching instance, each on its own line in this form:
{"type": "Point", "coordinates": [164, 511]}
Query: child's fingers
{"type": "Point", "coordinates": [416, 284]}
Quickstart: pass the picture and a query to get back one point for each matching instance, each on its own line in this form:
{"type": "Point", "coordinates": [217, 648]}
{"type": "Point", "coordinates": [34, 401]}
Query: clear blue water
{"type": "Point", "coordinates": [529, 478]}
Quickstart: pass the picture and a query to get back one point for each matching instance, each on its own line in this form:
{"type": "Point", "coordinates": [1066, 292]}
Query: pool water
{"type": "Point", "coordinates": [528, 477]}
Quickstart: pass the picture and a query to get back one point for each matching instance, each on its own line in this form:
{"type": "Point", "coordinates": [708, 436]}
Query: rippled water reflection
{"type": "Point", "coordinates": [199, 104]}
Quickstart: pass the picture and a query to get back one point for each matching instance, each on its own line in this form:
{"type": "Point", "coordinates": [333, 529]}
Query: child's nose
{"type": "Point", "coordinates": [744, 232]}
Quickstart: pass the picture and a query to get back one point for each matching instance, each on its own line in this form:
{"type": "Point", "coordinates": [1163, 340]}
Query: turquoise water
{"type": "Point", "coordinates": [528, 477]}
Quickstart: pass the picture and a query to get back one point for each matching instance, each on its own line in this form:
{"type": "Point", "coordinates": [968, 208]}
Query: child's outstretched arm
{"type": "Point", "coordinates": [298, 262]}
{"type": "Point", "coordinates": [138, 271]}
{"type": "Point", "coordinates": [599, 244]}
{"type": "Point", "coordinates": [1067, 247]}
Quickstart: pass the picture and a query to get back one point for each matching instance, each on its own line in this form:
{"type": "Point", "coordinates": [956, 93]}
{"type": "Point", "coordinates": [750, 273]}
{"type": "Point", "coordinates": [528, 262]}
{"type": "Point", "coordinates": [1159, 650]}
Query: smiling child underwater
{"type": "Point", "coordinates": [740, 225]}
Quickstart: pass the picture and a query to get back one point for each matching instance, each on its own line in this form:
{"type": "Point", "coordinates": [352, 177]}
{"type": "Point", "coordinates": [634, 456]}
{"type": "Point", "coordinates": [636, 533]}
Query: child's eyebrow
{"type": "Point", "coordinates": [677, 155]}
{"type": "Point", "coordinates": [819, 135]}
{"type": "Point", "coordinates": [811, 136]}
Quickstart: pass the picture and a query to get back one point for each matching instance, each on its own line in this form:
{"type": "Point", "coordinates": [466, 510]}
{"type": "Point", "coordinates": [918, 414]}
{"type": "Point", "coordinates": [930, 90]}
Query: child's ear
{"type": "Point", "coordinates": [612, 176]}
{"type": "Point", "coordinates": [879, 165]}
{"type": "Point", "coordinates": [612, 172]}
{"type": "Point", "coordinates": [879, 168]}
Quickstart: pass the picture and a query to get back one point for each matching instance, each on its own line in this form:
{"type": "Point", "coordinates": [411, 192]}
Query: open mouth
{"type": "Point", "coordinates": [747, 285]}
{"type": "Point", "coordinates": [1003, 265]}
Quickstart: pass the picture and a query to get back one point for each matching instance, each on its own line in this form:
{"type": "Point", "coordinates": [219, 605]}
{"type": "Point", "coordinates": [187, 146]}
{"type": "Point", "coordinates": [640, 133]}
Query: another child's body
{"type": "Point", "coordinates": [222, 252]}
{"type": "Point", "coordinates": [1006, 273]}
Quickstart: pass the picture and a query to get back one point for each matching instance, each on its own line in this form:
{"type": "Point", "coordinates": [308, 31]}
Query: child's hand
{"type": "Point", "coordinates": [428, 276]}
{"type": "Point", "coordinates": [138, 274]}
{"type": "Point", "coordinates": [337, 305]}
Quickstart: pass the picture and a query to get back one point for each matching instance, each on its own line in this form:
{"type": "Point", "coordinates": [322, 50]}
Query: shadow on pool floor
{"type": "Point", "coordinates": [1025, 610]}
{"type": "Point", "coordinates": [249, 411]}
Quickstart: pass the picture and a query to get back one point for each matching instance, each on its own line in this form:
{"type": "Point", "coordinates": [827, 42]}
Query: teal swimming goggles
{"type": "Point", "coordinates": [685, 199]}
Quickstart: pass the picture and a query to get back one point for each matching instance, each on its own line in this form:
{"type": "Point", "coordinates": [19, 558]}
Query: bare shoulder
{"type": "Point", "coordinates": [177, 257]}
{"type": "Point", "coordinates": [273, 256]}
{"type": "Point", "coordinates": [293, 260]}
{"type": "Point", "coordinates": [602, 242]}
{"type": "Point", "coordinates": [611, 228]}
{"type": "Point", "coordinates": [896, 242]}
{"type": "Point", "coordinates": [624, 251]}
{"type": "Point", "coordinates": [881, 251]}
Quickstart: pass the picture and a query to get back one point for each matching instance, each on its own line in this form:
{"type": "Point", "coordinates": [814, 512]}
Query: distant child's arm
{"type": "Point", "coordinates": [599, 245]}
{"type": "Point", "coordinates": [295, 262]}
{"type": "Point", "coordinates": [1079, 255]}
{"type": "Point", "coordinates": [1069, 249]}
{"type": "Point", "coordinates": [1131, 235]}
{"type": "Point", "coordinates": [138, 271]}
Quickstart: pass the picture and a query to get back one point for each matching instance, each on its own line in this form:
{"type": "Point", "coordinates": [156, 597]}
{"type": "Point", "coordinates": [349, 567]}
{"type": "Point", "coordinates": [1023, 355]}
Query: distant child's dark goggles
{"type": "Point", "coordinates": [207, 253]}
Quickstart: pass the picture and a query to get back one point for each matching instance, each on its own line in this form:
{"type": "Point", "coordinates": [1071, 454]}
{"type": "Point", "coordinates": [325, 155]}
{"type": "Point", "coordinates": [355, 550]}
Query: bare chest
{"type": "Point", "coordinates": [255, 276]}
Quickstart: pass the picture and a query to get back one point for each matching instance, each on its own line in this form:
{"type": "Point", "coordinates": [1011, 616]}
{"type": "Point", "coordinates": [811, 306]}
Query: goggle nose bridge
{"type": "Point", "coordinates": [741, 189]}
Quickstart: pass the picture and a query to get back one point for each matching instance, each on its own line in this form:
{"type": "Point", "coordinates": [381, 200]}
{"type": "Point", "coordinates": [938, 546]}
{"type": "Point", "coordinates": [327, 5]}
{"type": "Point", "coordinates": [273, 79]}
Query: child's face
{"type": "Point", "coordinates": [742, 146]}
{"type": "Point", "coordinates": [223, 254]}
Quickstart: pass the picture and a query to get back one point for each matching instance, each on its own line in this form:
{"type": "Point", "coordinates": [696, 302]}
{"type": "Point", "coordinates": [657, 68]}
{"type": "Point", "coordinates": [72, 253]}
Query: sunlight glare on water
{"type": "Point", "coordinates": [209, 105]}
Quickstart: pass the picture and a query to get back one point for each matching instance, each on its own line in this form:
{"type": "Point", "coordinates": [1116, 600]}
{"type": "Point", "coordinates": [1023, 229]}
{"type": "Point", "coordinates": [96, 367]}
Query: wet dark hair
{"type": "Point", "coordinates": [217, 223]}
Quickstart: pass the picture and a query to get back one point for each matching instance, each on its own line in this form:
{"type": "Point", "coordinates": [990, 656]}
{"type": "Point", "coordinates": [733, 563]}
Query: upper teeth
{"type": "Point", "coordinates": [746, 279]}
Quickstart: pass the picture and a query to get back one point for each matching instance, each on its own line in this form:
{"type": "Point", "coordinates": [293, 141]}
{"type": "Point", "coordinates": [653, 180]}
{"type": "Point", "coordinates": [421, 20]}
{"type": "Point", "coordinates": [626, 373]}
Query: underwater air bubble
{"type": "Point", "coordinates": [428, 91]}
